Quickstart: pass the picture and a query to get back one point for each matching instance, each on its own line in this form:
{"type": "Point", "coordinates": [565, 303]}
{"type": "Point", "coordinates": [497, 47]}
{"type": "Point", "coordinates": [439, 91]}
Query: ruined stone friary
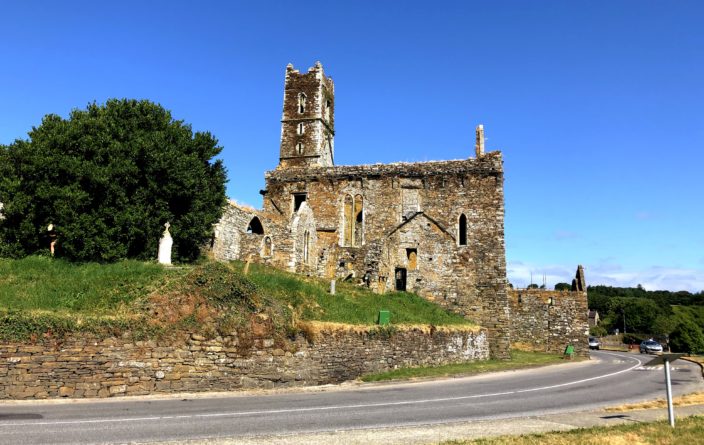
{"type": "Point", "coordinates": [434, 228]}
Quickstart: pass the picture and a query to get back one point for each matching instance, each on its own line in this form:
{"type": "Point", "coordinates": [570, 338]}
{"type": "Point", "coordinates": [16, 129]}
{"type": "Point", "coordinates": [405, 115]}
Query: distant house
{"type": "Point", "coordinates": [593, 318]}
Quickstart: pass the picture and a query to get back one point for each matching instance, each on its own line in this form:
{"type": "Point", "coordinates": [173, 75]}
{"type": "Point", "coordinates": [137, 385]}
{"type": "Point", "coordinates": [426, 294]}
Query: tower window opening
{"type": "Point", "coordinates": [255, 226]}
{"type": "Point", "coordinates": [302, 103]}
{"type": "Point", "coordinates": [462, 230]}
{"type": "Point", "coordinates": [298, 199]}
{"type": "Point", "coordinates": [300, 148]}
{"type": "Point", "coordinates": [301, 129]}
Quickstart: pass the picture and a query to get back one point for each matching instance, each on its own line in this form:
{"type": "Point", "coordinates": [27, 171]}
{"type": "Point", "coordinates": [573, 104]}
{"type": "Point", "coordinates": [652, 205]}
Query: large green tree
{"type": "Point", "coordinates": [108, 178]}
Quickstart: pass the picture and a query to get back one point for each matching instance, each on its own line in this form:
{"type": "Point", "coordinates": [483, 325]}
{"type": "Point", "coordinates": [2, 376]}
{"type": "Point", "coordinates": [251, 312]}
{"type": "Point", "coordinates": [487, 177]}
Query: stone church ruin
{"type": "Point", "coordinates": [434, 228]}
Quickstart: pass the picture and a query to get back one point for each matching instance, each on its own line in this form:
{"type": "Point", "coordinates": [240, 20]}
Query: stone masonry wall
{"type": "Point", "coordinates": [87, 367]}
{"type": "Point", "coordinates": [545, 320]}
{"type": "Point", "coordinates": [410, 208]}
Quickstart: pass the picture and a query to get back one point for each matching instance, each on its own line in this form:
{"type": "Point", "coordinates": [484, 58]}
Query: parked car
{"type": "Point", "coordinates": [594, 343]}
{"type": "Point", "coordinates": [650, 347]}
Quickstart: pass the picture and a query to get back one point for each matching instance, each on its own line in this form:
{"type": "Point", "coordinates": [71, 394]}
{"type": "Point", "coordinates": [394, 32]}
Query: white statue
{"type": "Point", "coordinates": [165, 244]}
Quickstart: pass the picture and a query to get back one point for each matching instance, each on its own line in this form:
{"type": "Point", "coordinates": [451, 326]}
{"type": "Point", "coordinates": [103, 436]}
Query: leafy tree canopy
{"type": "Point", "coordinates": [108, 178]}
{"type": "Point", "coordinates": [687, 337]}
{"type": "Point", "coordinates": [563, 286]}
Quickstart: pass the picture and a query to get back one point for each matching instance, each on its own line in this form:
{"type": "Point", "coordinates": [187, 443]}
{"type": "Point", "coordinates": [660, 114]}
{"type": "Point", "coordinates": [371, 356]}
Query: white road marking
{"type": "Point", "coordinates": [324, 408]}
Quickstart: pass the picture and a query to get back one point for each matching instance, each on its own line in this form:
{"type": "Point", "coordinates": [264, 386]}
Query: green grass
{"type": "Point", "coordinates": [688, 430]}
{"type": "Point", "coordinates": [42, 294]}
{"type": "Point", "coordinates": [43, 283]}
{"type": "Point", "coordinates": [519, 359]}
{"type": "Point", "coordinates": [351, 304]}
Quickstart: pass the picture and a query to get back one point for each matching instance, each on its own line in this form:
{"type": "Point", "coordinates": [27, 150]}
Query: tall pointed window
{"type": "Point", "coordinates": [353, 221]}
{"type": "Point", "coordinates": [301, 103]}
{"type": "Point", "coordinates": [358, 220]}
{"type": "Point", "coordinates": [462, 232]}
{"type": "Point", "coordinates": [300, 148]}
{"type": "Point", "coordinates": [301, 129]}
{"type": "Point", "coordinates": [348, 221]}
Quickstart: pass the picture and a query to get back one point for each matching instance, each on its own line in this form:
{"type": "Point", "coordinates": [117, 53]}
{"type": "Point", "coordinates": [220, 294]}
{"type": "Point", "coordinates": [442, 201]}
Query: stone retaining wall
{"type": "Point", "coordinates": [85, 367]}
{"type": "Point", "coordinates": [545, 320]}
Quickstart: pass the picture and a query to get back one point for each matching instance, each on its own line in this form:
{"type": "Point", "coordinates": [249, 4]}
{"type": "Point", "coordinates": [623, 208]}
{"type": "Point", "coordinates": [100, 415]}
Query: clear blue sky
{"type": "Point", "coordinates": [597, 106]}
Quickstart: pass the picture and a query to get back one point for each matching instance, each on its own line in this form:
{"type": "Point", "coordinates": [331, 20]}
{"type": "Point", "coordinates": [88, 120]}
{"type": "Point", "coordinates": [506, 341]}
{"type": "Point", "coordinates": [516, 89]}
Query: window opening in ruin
{"type": "Point", "coordinates": [348, 221]}
{"type": "Point", "coordinates": [301, 129]}
{"type": "Point", "coordinates": [358, 220]}
{"type": "Point", "coordinates": [401, 279]}
{"type": "Point", "coordinates": [327, 110]}
{"type": "Point", "coordinates": [463, 230]}
{"type": "Point", "coordinates": [299, 148]}
{"type": "Point", "coordinates": [302, 103]}
{"type": "Point", "coordinates": [255, 226]}
{"type": "Point", "coordinates": [267, 246]}
{"type": "Point", "coordinates": [306, 240]}
{"type": "Point", "coordinates": [298, 199]}
{"type": "Point", "coordinates": [412, 256]}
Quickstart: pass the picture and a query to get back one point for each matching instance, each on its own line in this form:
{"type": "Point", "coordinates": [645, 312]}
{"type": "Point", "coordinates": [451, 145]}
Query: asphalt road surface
{"type": "Point", "coordinates": [608, 379]}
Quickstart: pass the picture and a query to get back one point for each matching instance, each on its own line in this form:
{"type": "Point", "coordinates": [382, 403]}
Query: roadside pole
{"type": "Point", "coordinates": [668, 389]}
{"type": "Point", "coordinates": [665, 359]}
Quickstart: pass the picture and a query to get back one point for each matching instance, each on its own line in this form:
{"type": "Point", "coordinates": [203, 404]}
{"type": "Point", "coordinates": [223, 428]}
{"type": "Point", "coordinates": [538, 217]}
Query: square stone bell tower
{"type": "Point", "coordinates": [308, 121]}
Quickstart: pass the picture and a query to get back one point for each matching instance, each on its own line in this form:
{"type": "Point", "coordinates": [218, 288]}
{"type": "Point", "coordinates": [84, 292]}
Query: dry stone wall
{"type": "Point", "coordinates": [88, 367]}
{"type": "Point", "coordinates": [544, 320]}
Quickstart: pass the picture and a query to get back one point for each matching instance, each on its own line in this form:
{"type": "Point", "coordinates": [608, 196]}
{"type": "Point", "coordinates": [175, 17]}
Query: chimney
{"type": "Point", "coordinates": [479, 146]}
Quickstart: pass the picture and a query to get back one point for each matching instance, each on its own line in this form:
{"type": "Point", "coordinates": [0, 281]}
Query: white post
{"type": "Point", "coordinates": [668, 387]}
{"type": "Point", "coordinates": [332, 287]}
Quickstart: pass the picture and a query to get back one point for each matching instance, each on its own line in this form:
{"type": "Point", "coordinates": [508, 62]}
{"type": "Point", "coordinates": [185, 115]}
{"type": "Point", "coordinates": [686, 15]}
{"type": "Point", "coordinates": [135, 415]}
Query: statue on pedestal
{"type": "Point", "coordinates": [165, 244]}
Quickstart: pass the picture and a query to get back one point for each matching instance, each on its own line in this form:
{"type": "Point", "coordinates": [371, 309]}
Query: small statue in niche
{"type": "Point", "coordinates": [165, 244]}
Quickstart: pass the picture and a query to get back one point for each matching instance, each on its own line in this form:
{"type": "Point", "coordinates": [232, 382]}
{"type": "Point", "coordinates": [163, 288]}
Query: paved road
{"type": "Point", "coordinates": [609, 379]}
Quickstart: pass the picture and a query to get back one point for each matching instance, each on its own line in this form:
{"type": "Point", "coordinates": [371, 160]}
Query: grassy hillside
{"type": "Point", "coordinates": [351, 304]}
{"type": "Point", "coordinates": [40, 295]}
{"type": "Point", "coordinates": [43, 283]}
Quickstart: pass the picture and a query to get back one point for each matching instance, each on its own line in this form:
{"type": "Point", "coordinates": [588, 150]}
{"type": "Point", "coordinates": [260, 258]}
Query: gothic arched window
{"type": "Point", "coordinates": [255, 226]}
{"type": "Point", "coordinates": [302, 103]}
{"type": "Point", "coordinates": [462, 230]}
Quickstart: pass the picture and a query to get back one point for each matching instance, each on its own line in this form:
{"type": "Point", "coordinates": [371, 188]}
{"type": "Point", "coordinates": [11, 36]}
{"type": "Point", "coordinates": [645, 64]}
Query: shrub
{"type": "Point", "coordinates": [687, 337]}
{"type": "Point", "coordinates": [108, 178]}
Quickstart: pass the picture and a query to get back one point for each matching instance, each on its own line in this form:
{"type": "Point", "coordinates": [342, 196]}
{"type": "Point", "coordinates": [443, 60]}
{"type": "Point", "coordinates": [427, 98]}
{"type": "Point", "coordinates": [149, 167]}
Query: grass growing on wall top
{"type": "Point", "coordinates": [519, 360]}
{"type": "Point", "coordinates": [43, 283]}
{"type": "Point", "coordinates": [351, 304]}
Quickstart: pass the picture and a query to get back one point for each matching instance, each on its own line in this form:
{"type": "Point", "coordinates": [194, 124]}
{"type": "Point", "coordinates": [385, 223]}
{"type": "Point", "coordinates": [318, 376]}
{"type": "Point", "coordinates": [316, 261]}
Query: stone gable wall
{"type": "Point", "coordinates": [548, 321]}
{"type": "Point", "coordinates": [429, 197]}
{"type": "Point", "coordinates": [87, 367]}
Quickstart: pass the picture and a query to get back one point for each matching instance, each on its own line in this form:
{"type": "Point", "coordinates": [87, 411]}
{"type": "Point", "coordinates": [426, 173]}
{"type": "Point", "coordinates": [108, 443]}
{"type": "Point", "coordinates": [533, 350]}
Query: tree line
{"type": "Point", "coordinates": [677, 317]}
